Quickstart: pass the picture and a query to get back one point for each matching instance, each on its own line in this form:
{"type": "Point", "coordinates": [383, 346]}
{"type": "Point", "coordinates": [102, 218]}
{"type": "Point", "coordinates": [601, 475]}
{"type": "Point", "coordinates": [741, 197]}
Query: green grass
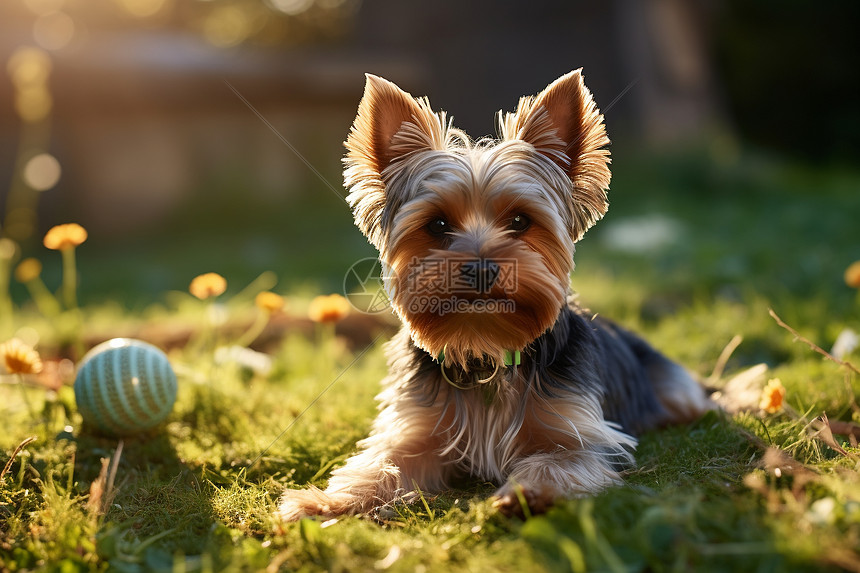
{"type": "Point", "coordinates": [198, 494]}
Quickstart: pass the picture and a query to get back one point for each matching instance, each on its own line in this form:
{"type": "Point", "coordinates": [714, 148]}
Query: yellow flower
{"type": "Point", "coordinates": [852, 275]}
{"type": "Point", "coordinates": [207, 285]}
{"type": "Point", "coordinates": [28, 270]}
{"type": "Point", "coordinates": [331, 308]}
{"type": "Point", "coordinates": [269, 302]}
{"type": "Point", "coordinates": [64, 237]}
{"type": "Point", "coordinates": [772, 396]}
{"type": "Point", "coordinates": [20, 358]}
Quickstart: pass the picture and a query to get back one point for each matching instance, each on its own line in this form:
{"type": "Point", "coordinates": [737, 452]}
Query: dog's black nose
{"type": "Point", "coordinates": [480, 274]}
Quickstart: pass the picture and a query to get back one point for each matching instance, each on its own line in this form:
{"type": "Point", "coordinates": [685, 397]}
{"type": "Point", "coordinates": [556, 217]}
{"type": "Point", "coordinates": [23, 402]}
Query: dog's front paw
{"type": "Point", "coordinates": [299, 503]}
{"type": "Point", "coordinates": [519, 500]}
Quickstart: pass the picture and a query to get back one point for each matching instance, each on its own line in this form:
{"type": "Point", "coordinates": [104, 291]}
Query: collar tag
{"type": "Point", "coordinates": [512, 358]}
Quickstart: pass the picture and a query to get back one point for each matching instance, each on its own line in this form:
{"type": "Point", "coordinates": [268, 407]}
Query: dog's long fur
{"type": "Point", "coordinates": [561, 423]}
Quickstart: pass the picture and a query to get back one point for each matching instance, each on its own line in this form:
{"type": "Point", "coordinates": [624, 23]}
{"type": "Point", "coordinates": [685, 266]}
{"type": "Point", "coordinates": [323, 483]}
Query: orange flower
{"type": "Point", "coordinates": [20, 358]}
{"type": "Point", "coordinates": [331, 308]}
{"type": "Point", "coordinates": [64, 237]}
{"type": "Point", "coordinates": [852, 275]}
{"type": "Point", "coordinates": [207, 285]}
{"type": "Point", "coordinates": [772, 396]}
{"type": "Point", "coordinates": [269, 302]}
{"type": "Point", "coordinates": [28, 270]}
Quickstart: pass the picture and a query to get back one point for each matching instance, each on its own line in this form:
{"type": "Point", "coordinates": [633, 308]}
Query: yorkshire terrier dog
{"type": "Point", "coordinates": [496, 374]}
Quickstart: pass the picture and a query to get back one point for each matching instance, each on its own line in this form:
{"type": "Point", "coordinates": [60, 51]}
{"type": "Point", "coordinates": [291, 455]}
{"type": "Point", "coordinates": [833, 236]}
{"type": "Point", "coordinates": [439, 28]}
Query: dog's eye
{"type": "Point", "coordinates": [438, 227]}
{"type": "Point", "coordinates": [519, 223]}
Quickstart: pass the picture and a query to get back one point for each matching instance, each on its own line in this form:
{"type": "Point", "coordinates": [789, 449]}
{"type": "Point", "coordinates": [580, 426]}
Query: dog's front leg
{"type": "Point", "coordinates": [392, 461]}
{"type": "Point", "coordinates": [539, 479]}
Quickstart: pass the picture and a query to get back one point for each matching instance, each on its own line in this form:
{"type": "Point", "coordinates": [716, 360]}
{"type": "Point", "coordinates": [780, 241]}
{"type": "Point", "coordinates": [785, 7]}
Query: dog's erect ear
{"type": "Point", "coordinates": [382, 111]}
{"type": "Point", "coordinates": [563, 123]}
{"type": "Point", "coordinates": [390, 124]}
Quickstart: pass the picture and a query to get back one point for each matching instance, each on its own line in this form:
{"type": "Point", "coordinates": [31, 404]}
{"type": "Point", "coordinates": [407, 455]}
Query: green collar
{"type": "Point", "coordinates": [512, 357]}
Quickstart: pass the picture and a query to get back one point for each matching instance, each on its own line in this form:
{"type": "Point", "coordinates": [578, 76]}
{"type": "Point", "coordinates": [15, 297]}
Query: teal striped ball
{"type": "Point", "coordinates": [125, 386]}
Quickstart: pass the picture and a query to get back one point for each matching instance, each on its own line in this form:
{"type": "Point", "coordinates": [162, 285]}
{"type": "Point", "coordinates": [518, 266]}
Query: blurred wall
{"type": "Point", "coordinates": [142, 120]}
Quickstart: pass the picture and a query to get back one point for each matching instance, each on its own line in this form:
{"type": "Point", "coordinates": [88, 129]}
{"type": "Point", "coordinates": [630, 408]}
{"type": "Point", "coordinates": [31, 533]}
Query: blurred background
{"type": "Point", "coordinates": [206, 135]}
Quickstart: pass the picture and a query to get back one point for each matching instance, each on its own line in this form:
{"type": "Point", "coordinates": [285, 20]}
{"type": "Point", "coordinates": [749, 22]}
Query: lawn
{"type": "Point", "coordinates": [727, 240]}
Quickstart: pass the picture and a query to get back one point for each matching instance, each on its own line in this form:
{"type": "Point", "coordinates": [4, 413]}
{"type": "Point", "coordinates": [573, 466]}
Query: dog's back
{"type": "Point", "coordinates": [643, 389]}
